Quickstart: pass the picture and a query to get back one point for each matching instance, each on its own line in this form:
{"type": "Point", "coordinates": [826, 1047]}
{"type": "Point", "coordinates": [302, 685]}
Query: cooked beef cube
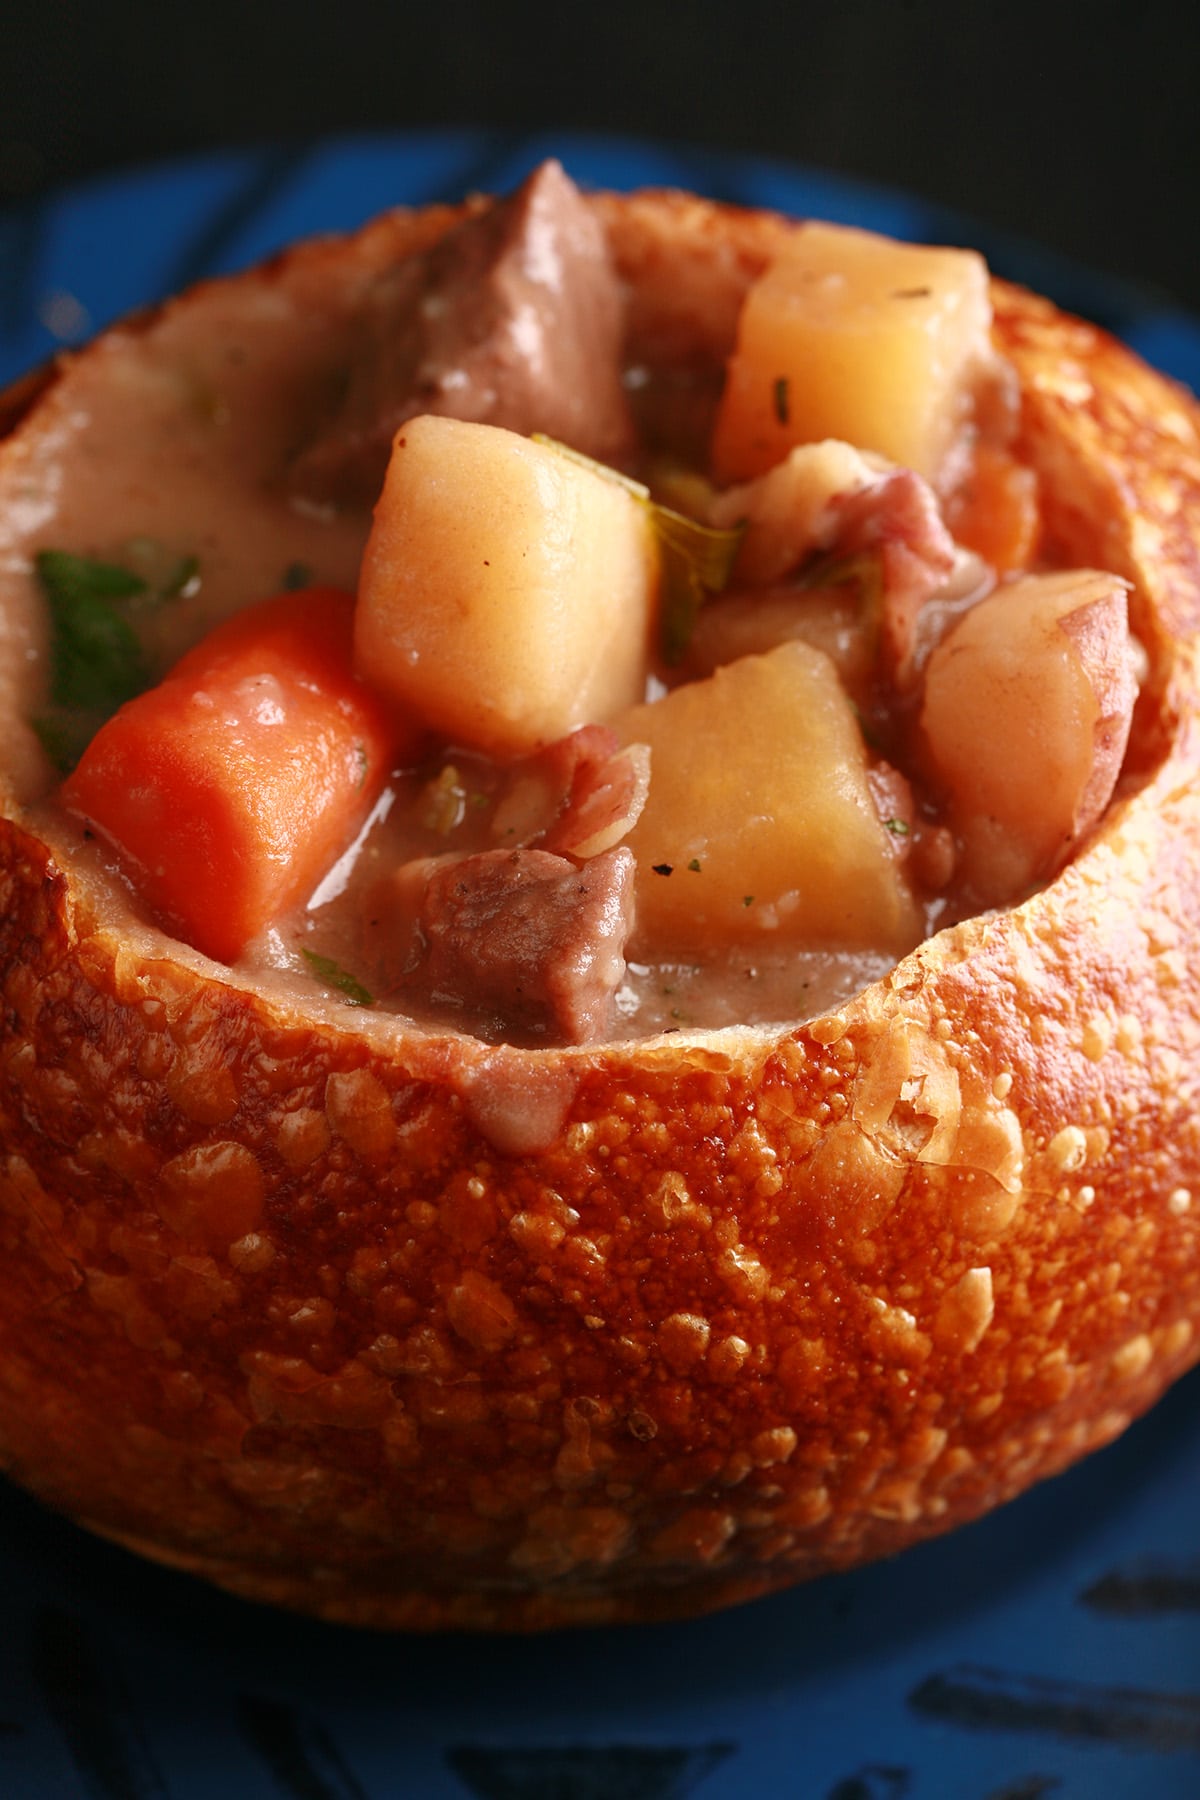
{"type": "Point", "coordinates": [532, 942]}
{"type": "Point", "coordinates": [515, 318]}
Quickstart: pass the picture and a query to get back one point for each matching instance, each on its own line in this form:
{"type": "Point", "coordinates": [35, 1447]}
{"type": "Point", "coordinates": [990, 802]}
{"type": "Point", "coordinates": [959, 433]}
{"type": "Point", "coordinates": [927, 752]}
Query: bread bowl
{"type": "Point", "coordinates": [408, 1328]}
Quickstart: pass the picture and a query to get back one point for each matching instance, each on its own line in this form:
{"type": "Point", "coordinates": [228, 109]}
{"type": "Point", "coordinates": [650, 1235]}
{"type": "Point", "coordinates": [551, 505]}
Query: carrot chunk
{"type": "Point", "coordinates": [236, 783]}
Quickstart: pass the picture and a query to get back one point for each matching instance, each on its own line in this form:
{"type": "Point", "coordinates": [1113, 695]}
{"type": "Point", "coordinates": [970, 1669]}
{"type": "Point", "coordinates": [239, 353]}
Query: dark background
{"type": "Point", "coordinates": [1076, 125]}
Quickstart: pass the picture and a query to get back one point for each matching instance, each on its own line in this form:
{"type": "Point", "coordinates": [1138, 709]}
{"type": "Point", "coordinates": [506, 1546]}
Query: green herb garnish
{"type": "Point", "coordinates": [96, 657]}
{"type": "Point", "coordinates": [694, 865]}
{"type": "Point", "coordinates": [638, 489]}
{"type": "Point", "coordinates": [897, 827]}
{"type": "Point", "coordinates": [63, 736]}
{"type": "Point", "coordinates": [697, 561]}
{"type": "Point", "coordinates": [334, 976]}
{"type": "Point", "coordinates": [96, 661]}
{"type": "Point", "coordinates": [780, 395]}
{"type": "Point", "coordinates": [297, 575]}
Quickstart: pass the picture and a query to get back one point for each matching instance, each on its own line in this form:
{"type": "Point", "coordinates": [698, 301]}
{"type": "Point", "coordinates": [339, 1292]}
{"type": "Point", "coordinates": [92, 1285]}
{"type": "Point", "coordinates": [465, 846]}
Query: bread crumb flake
{"type": "Point", "coordinates": [1067, 1150]}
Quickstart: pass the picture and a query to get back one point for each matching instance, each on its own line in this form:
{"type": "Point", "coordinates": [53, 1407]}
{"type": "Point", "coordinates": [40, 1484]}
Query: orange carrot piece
{"type": "Point", "coordinates": [995, 512]}
{"type": "Point", "coordinates": [236, 783]}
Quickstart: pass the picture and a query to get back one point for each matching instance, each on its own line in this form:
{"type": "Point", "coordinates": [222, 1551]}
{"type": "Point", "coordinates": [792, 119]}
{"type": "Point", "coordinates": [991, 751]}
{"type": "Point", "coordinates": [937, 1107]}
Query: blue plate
{"type": "Point", "coordinates": [1053, 1649]}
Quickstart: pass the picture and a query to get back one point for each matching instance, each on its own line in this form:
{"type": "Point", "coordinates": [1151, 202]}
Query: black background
{"type": "Point", "coordinates": [1076, 125]}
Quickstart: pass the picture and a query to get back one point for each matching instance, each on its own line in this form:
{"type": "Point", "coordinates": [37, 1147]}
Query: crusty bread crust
{"type": "Point", "coordinates": [406, 1331]}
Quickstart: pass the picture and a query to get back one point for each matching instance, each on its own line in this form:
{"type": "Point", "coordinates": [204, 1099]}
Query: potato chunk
{"type": "Point", "coordinates": [759, 816]}
{"type": "Point", "coordinates": [507, 592]}
{"type": "Point", "coordinates": [1025, 719]}
{"type": "Point", "coordinates": [855, 336]}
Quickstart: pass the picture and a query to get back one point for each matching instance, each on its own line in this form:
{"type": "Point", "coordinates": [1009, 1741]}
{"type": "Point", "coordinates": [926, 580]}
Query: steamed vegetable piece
{"type": "Point", "coordinates": [759, 817]}
{"type": "Point", "coordinates": [507, 591]}
{"type": "Point", "coordinates": [850, 335]}
{"type": "Point", "coordinates": [236, 782]}
{"type": "Point", "coordinates": [1026, 715]}
{"type": "Point", "coordinates": [835, 618]}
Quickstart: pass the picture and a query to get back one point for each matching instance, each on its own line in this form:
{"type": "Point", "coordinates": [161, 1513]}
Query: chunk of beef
{"type": "Point", "coordinates": [515, 318]}
{"type": "Point", "coordinates": [526, 944]}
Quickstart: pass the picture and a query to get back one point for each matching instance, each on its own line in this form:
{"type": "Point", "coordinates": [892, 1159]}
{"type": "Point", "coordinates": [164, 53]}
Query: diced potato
{"type": "Point", "coordinates": [855, 336]}
{"type": "Point", "coordinates": [832, 619]}
{"type": "Point", "coordinates": [1026, 715]}
{"type": "Point", "coordinates": [507, 592]}
{"type": "Point", "coordinates": [759, 817]}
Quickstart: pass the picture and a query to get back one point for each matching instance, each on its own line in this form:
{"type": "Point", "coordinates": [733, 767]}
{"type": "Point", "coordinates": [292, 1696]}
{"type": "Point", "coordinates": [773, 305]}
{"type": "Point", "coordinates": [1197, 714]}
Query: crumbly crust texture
{"type": "Point", "coordinates": [408, 1332]}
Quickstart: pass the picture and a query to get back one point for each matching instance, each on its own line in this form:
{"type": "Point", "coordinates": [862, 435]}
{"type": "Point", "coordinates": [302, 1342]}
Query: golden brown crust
{"type": "Point", "coordinates": [410, 1335]}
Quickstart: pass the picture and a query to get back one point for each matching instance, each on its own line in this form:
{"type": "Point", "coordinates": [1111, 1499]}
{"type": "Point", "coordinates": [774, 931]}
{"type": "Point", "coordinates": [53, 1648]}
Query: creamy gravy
{"type": "Point", "coordinates": [346, 924]}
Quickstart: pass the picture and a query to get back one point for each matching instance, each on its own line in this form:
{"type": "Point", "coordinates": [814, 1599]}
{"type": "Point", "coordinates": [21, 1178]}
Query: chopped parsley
{"type": "Point", "coordinates": [334, 976]}
{"type": "Point", "coordinates": [297, 575]}
{"type": "Point", "coordinates": [898, 827]}
{"type": "Point", "coordinates": [697, 561]}
{"type": "Point", "coordinates": [97, 662]}
{"type": "Point", "coordinates": [780, 395]}
{"type": "Point", "coordinates": [663, 868]}
{"type": "Point", "coordinates": [694, 865]}
{"type": "Point", "coordinates": [96, 657]}
{"type": "Point", "coordinates": [63, 736]}
{"type": "Point", "coordinates": [747, 899]}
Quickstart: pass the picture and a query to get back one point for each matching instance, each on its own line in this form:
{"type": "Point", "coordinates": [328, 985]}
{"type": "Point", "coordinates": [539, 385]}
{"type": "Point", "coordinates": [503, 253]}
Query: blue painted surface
{"type": "Point", "coordinates": [1053, 1649]}
{"type": "Point", "coordinates": [115, 243]}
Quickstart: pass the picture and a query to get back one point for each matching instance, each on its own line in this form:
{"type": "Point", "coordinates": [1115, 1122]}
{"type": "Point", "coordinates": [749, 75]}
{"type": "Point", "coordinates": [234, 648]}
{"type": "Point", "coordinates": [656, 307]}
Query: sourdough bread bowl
{"type": "Point", "coordinates": [407, 1326]}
